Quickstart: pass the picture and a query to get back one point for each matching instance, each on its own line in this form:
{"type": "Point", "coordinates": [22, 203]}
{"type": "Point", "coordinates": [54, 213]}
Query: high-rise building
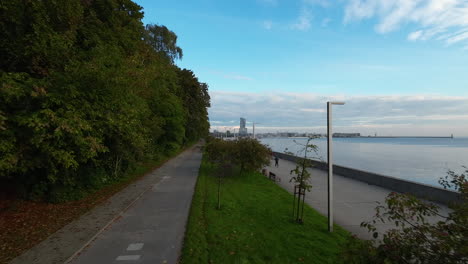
{"type": "Point", "coordinates": [242, 128]}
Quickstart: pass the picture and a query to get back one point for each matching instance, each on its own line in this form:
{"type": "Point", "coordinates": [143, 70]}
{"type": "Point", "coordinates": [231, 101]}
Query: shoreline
{"type": "Point", "coordinates": [449, 137]}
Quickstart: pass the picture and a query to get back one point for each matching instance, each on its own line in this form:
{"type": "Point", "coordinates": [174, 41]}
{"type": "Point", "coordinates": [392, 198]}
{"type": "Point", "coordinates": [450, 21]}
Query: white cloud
{"type": "Point", "coordinates": [431, 17]}
{"type": "Point", "coordinates": [303, 21]}
{"type": "Point", "coordinates": [457, 38]}
{"type": "Point", "coordinates": [395, 114]}
{"type": "Point", "coordinates": [415, 35]}
{"type": "Point", "coordinates": [314, 110]}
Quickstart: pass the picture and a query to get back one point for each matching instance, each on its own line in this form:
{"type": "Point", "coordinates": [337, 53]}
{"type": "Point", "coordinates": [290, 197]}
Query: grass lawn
{"type": "Point", "coordinates": [254, 225]}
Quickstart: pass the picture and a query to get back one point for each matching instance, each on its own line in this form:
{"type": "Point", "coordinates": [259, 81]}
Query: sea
{"type": "Point", "coordinates": [422, 160]}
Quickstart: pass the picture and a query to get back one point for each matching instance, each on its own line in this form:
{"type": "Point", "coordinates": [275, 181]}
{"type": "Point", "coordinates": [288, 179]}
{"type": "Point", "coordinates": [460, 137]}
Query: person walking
{"type": "Point", "coordinates": [276, 161]}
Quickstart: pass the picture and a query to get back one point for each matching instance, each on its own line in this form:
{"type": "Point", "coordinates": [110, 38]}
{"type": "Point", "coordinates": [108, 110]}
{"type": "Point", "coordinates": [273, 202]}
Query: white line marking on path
{"type": "Point", "coordinates": [128, 257]}
{"type": "Point", "coordinates": [163, 179]}
{"type": "Point", "coordinates": [135, 246]}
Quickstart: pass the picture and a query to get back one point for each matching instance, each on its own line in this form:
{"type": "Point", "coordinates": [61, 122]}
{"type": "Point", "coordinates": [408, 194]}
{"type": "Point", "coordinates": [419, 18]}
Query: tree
{"type": "Point", "coordinates": [220, 153]}
{"type": "Point", "coordinates": [196, 100]}
{"type": "Point", "coordinates": [163, 41]}
{"type": "Point", "coordinates": [301, 177]}
{"type": "Point", "coordinates": [86, 92]}
{"type": "Point", "coordinates": [251, 155]}
{"type": "Point", "coordinates": [414, 239]}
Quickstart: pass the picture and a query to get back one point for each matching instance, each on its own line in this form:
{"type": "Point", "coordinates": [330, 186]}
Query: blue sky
{"type": "Point", "coordinates": [401, 65]}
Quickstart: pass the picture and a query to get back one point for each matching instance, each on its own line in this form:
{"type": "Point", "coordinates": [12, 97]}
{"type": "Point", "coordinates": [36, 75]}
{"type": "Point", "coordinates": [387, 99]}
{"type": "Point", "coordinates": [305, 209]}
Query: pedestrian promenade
{"type": "Point", "coordinates": [354, 201]}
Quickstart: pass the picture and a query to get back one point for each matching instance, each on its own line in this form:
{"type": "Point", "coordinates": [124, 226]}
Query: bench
{"type": "Point", "coordinates": [273, 177]}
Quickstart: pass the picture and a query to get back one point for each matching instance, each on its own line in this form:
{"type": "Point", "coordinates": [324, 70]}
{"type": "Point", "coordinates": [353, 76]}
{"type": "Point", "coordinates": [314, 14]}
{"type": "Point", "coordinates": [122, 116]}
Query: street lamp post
{"type": "Point", "coordinates": [330, 163]}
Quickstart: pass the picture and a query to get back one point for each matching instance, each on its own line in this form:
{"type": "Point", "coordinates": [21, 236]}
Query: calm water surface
{"type": "Point", "coordinates": [422, 160]}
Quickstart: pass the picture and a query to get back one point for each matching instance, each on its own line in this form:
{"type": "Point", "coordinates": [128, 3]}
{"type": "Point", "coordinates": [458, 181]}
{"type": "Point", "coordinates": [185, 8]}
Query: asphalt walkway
{"type": "Point", "coordinates": [143, 223]}
{"type": "Point", "coordinates": [152, 230]}
{"type": "Point", "coordinates": [354, 201]}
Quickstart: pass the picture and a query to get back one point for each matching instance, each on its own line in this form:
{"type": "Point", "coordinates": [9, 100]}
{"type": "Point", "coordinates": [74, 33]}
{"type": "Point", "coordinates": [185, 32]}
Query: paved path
{"type": "Point", "coordinates": [354, 201]}
{"type": "Point", "coordinates": [152, 211]}
{"type": "Point", "coordinates": [152, 229]}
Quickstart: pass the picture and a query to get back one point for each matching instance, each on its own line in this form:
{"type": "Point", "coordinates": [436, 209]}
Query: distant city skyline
{"type": "Point", "coordinates": [399, 65]}
{"type": "Point", "coordinates": [322, 131]}
{"type": "Point", "coordinates": [385, 115]}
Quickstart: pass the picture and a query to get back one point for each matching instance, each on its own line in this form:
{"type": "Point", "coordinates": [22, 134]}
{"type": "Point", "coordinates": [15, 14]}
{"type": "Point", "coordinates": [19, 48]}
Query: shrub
{"type": "Point", "coordinates": [251, 155]}
{"type": "Point", "coordinates": [246, 153]}
{"type": "Point", "coordinates": [415, 240]}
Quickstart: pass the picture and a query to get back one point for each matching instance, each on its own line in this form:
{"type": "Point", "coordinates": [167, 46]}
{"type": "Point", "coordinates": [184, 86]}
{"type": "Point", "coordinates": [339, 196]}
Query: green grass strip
{"type": "Point", "coordinates": [254, 225]}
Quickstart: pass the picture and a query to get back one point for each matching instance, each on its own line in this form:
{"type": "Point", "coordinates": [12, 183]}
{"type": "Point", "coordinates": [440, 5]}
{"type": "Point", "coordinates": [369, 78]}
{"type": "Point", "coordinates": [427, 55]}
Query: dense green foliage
{"type": "Point", "coordinates": [415, 239]}
{"type": "Point", "coordinates": [254, 225]}
{"type": "Point", "coordinates": [245, 153]}
{"type": "Point", "coordinates": [86, 91]}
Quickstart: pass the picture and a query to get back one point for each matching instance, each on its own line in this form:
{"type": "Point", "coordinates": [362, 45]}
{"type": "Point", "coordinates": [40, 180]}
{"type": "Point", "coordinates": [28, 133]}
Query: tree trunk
{"type": "Point", "coordinates": [219, 192]}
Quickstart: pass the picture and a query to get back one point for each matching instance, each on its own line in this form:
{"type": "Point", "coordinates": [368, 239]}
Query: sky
{"type": "Point", "coordinates": [401, 66]}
